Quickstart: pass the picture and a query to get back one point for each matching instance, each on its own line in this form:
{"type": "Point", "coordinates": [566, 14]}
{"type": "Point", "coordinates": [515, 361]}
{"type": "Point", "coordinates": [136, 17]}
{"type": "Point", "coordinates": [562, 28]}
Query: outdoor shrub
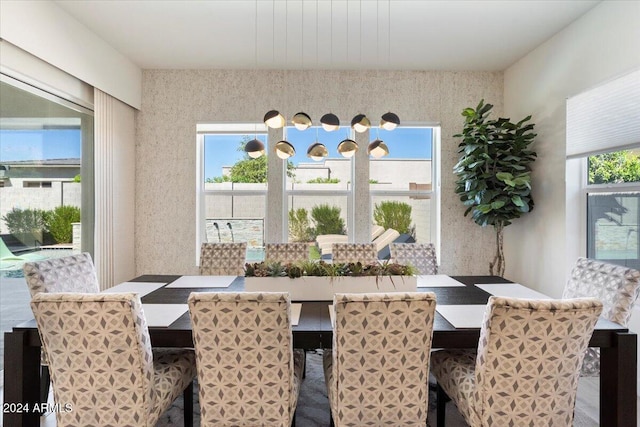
{"type": "Point", "coordinates": [327, 220]}
{"type": "Point", "coordinates": [59, 222]}
{"type": "Point", "coordinates": [299, 226]}
{"type": "Point", "coordinates": [24, 220]}
{"type": "Point", "coordinates": [396, 215]}
{"type": "Point", "coordinates": [321, 180]}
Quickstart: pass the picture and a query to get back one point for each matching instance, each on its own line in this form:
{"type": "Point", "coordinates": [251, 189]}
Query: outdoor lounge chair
{"type": "Point", "coordinates": [10, 261]}
{"type": "Point", "coordinates": [324, 241]}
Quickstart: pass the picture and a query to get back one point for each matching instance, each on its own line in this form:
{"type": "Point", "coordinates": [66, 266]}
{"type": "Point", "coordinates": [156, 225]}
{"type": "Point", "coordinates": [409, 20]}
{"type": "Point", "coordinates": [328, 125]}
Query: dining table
{"type": "Point", "coordinates": [462, 296]}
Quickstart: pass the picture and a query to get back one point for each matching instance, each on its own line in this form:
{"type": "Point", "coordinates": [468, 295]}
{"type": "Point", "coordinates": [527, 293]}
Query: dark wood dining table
{"type": "Point", "coordinates": [618, 346]}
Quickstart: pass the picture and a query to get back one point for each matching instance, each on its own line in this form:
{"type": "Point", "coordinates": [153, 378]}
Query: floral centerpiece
{"type": "Point", "coordinates": [319, 280]}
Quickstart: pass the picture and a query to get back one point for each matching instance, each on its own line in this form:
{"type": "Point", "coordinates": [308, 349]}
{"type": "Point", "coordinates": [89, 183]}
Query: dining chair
{"type": "Point", "coordinates": [616, 286]}
{"type": "Point", "coordinates": [102, 364]}
{"type": "Point", "coordinates": [287, 252]}
{"type": "Point", "coordinates": [222, 259]}
{"type": "Point", "coordinates": [365, 253]}
{"type": "Point", "coordinates": [248, 372]}
{"type": "Point", "coordinates": [526, 368]}
{"type": "Point", "coordinates": [378, 369]}
{"type": "Point", "coordinates": [73, 273]}
{"type": "Point", "coordinates": [422, 256]}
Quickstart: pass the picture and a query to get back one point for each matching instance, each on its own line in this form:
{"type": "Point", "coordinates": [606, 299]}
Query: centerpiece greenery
{"type": "Point", "coordinates": [324, 269]}
{"type": "Point", "coordinates": [494, 172]}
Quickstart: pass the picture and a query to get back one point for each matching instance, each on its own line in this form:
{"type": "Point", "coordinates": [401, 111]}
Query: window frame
{"type": "Point", "coordinates": [248, 128]}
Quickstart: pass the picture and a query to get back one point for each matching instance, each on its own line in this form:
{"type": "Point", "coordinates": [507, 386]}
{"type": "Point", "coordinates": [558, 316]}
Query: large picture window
{"type": "Point", "coordinates": [318, 194]}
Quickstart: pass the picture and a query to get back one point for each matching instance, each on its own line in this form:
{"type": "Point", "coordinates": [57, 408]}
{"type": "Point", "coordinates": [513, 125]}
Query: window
{"type": "Point", "coordinates": [403, 194]}
{"type": "Point", "coordinates": [613, 201]}
{"type": "Point", "coordinates": [318, 196]}
{"type": "Point", "coordinates": [43, 144]}
{"type": "Point", "coordinates": [232, 200]}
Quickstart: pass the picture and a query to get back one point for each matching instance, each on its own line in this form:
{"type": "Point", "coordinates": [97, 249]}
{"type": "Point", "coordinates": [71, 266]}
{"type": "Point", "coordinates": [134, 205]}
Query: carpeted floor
{"type": "Point", "coordinates": [313, 405]}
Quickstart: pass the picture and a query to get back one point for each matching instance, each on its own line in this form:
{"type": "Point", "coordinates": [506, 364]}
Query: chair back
{"type": "Point", "coordinates": [422, 256]}
{"type": "Point", "coordinates": [616, 286]}
{"type": "Point", "coordinates": [287, 252]}
{"type": "Point", "coordinates": [74, 273]}
{"type": "Point", "coordinates": [529, 358]}
{"type": "Point", "coordinates": [222, 259]}
{"type": "Point", "coordinates": [100, 357]}
{"type": "Point", "coordinates": [244, 358]}
{"type": "Point", "coordinates": [381, 353]}
{"type": "Point", "coordinates": [365, 253]}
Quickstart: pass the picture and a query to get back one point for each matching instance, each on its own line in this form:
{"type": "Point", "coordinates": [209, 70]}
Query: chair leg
{"type": "Point", "coordinates": [304, 366]}
{"type": "Point", "coordinates": [45, 383]}
{"type": "Point", "coordinates": [188, 405]}
{"type": "Point", "coordinates": [441, 405]}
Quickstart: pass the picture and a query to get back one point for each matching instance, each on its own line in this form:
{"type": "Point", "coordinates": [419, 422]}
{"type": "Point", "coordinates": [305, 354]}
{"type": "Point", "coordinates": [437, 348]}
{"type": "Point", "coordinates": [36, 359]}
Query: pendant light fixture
{"type": "Point", "coordinates": [347, 148]}
{"type": "Point", "coordinates": [254, 148]}
{"type": "Point", "coordinates": [301, 121]}
{"type": "Point", "coordinates": [378, 149]}
{"type": "Point", "coordinates": [274, 119]}
{"type": "Point", "coordinates": [360, 123]}
{"type": "Point", "coordinates": [330, 122]}
{"type": "Point", "coordinates": [389, 121]}
{"type": "Point", "coordinates": [284, 150]}
{"type": "Point", "coordinates": [317, 151]}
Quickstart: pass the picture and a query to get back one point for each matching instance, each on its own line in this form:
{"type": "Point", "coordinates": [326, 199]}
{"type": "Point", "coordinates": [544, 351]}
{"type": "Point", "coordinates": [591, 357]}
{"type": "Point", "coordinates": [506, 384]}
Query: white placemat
{"type": "Point", "coordinates": [463, 316]}
{"type": "Point", "coordinates": [295, 313]}
{"type": "Point", "coordinates": [163, 315]}
{"type": "Point", "coordinates": [142, 288]}
{"type": "Point", "coordinates": [513, 290]}
{"type": "Point", "coordinates": [202, 282]}
{"type": "Point", "coordinates": [437, 281]}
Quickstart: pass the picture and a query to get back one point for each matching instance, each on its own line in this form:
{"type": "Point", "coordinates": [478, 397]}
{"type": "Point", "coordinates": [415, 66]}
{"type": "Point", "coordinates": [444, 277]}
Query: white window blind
{"type": "Point", "coordinates": [604, 118]}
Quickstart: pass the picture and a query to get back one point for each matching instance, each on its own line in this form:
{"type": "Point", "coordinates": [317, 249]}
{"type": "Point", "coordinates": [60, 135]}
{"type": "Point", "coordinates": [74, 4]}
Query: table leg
{"type": "Point", "coordinates": [618, 379]}
{"type": "Point", "coordinates": [21, 380]}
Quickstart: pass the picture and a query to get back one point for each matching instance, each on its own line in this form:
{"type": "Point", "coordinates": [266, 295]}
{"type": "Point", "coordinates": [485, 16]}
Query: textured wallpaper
{"type": "Point", "coordinates": [174, 101]}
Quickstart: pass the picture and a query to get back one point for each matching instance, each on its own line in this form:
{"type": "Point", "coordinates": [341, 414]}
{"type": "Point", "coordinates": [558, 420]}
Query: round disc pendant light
{"type": "Point", "coordinates": [347, 148]}
{"type": "Point", "coordinates": [360, 123]}
{"type": "Point", "coordinates": [389, 121]}
{"type": "Point", "coordinates": [274, 119]}
{"type": "Point", "coordinates": [254, 148]}
{"type": "Point", "coordinates": [330, 122]}
{"type": "Point", "coordinates": [284, 150]}
{"type": "Point", "coordinates": [317, 151]}
{"type": "Point", "coordinates": [301, 121]}
{"type": "Point", "coordinates": [378, 149]}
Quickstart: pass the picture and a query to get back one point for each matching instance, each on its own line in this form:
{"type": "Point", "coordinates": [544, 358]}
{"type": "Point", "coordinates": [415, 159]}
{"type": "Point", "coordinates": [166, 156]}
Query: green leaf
{"type": "Point", "coordinates": [517, 201]}
{"type": "Point", "coordinates": [504, 176]}
{"type": "Point", "coordinates": [497, 204]}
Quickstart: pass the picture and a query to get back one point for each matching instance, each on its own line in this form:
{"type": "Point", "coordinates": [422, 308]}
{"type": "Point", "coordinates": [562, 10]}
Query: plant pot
{"type": "Point", "coordinates": [322, 288]}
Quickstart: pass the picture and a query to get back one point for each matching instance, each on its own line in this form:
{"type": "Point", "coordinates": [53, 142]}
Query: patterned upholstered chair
{"type": "Point", "coordinates": [616, 286]}
{"type": "Point", "coordinates": [286, 252]}
{"type": "Point", "coordinates": [74, 273]}
{"type": "Point", "coordinates": [354, 252]}
{"type": "Point", "coordinates": [527, 366]}
{"type": "Point", "coordinates": [378, 369]}
{"type": "Point", "coordinates": [222, 259]}
{"type": "Point", "coordinates": [248, 372]}
{"type": "Point", "coordinates": [101, 361]}
{"type": "Point", "coordinates": [420, 255]}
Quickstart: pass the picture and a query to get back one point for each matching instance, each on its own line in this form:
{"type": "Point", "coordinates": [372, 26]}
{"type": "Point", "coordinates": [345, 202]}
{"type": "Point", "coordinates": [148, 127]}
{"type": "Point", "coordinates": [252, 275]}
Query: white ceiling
{"type": "Point", "coordinates": [326, 34]}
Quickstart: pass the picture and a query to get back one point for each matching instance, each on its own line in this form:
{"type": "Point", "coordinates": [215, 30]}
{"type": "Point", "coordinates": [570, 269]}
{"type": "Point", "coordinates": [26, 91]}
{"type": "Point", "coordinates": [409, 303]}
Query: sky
{"type": "Point", "coordinates": [403, 143]}
{"type": "Point", "coordinates": [39, 144]}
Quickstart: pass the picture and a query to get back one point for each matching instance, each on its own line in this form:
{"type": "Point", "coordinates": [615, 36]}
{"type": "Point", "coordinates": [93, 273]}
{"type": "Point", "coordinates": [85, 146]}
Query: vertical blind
{"type": "Point", "coordinates": [604, 118]}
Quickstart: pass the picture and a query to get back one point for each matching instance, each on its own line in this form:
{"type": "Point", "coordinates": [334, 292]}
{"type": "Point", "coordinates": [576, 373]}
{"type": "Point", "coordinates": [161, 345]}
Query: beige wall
{"type": "Point", "coordinates": [602, 44]}
{"type": "Point", "coordinates": [174, 101]}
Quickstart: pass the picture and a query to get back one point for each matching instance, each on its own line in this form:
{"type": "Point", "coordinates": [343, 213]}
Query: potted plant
{"type": "Point", "coordinates": [318, 280]}
{"type": "Point", "coordinates": [494, 172]}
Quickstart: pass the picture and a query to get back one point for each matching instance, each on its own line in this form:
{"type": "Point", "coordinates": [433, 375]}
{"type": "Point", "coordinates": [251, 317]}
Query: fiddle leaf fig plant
{"type": "Point", "coordinates": [494, 172]}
